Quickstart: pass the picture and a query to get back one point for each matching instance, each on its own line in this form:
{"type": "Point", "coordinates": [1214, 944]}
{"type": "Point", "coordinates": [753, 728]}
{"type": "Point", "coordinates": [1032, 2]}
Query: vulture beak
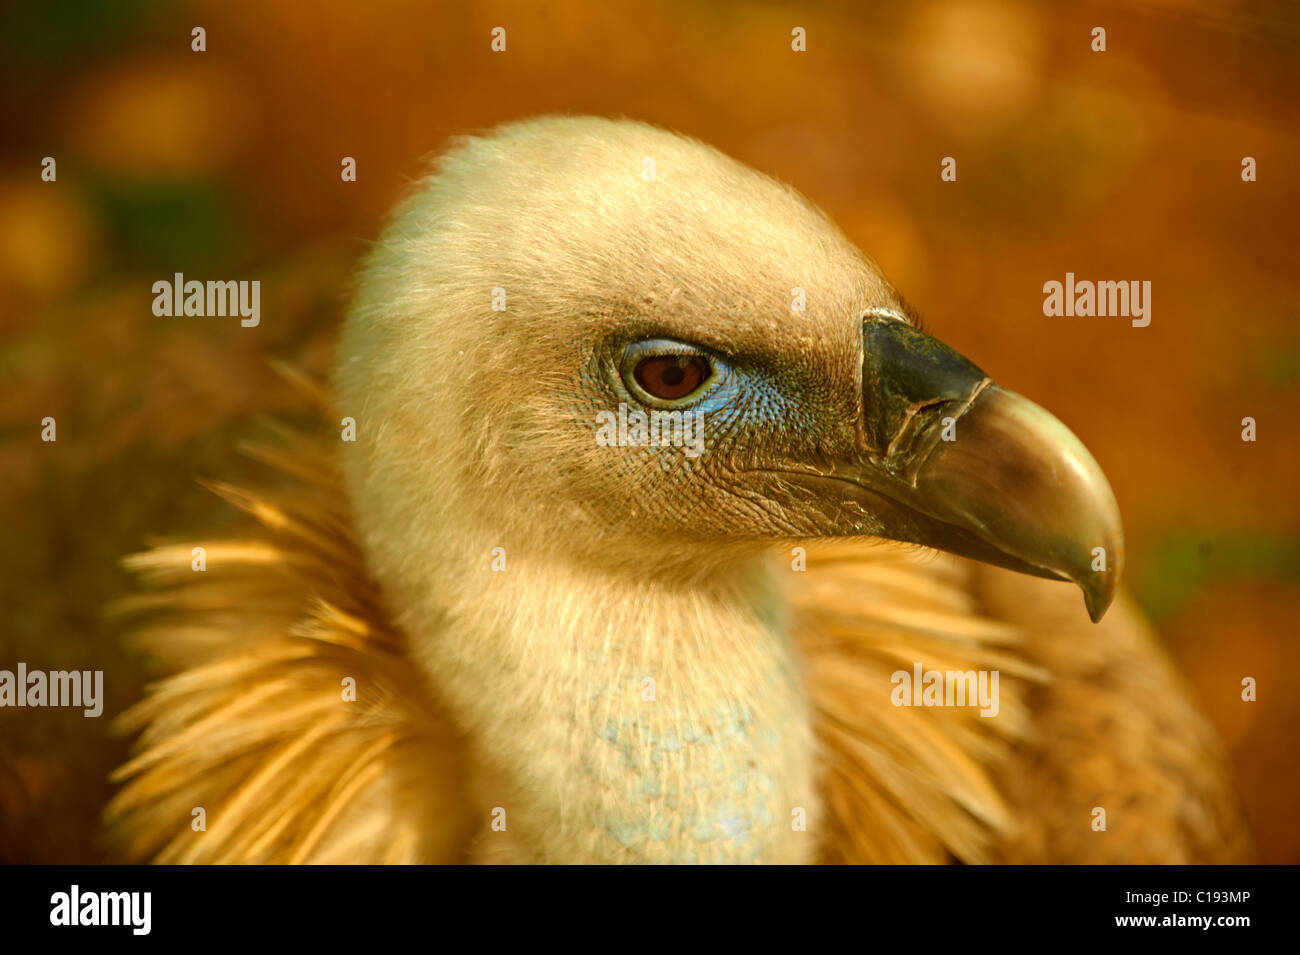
{"type": "Point", "coordinates": [954, 462]}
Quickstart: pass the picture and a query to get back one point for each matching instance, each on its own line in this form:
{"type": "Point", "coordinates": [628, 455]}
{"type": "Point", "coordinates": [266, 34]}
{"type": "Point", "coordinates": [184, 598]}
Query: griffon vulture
{"type": "Point", "coordinates": [609, 572]}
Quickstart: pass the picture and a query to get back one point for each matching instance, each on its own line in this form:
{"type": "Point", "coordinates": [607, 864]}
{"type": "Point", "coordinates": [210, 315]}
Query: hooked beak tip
{"type": "Point", "coordinates": [1024, 483]}
{"type": "Point", "coordinates": [1098, 594]}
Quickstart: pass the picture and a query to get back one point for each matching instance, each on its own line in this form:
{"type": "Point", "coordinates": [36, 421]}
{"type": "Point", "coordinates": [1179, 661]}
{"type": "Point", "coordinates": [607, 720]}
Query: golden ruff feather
{"type": "Point", "coordinates": [250, 723]}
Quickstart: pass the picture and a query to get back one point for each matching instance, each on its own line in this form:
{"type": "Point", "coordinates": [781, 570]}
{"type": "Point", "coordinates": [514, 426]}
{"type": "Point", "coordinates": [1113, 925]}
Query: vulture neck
{"type": "Point", "coordinates": [675, 716]}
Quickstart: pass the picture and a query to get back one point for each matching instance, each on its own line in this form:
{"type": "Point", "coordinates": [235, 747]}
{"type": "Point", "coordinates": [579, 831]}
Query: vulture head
{"type": "Point", "coordinates": [595, 347]}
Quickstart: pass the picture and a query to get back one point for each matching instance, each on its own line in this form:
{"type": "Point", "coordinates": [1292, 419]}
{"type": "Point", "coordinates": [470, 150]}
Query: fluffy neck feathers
{"type": "Point", "coordinates": [626, 718]}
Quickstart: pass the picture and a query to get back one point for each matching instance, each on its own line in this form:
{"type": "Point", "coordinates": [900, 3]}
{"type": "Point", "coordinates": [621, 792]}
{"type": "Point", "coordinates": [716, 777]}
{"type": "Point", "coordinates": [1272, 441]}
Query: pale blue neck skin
{"type": "Point", "coordinates": [712, 769]}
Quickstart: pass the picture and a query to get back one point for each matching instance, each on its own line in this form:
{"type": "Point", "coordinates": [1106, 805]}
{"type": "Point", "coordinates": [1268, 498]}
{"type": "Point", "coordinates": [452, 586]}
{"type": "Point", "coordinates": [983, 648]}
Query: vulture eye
{"type": "Point", "coordinates": [667, 372]}
{"type": "Point", "coordinates": [672, 377]}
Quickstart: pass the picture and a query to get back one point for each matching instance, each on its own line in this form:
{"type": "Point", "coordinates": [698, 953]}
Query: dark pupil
{"type": "Point", "coordinates": [671, 376]}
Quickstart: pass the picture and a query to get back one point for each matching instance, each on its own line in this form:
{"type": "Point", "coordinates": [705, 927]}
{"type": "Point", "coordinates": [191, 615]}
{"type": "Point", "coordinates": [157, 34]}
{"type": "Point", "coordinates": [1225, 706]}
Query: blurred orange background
{"type": "Point", "coordinates": [225, 164]}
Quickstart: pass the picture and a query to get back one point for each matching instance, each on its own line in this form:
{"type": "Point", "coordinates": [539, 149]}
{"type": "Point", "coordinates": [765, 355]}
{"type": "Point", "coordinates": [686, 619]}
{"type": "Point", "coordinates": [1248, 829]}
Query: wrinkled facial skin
{"type": "Point", "coordinates": [724, 473]}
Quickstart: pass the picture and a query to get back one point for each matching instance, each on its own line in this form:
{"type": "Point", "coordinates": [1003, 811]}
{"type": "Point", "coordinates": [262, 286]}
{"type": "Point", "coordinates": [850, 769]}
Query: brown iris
{"type": "Point", "coordinates": [670, 377]}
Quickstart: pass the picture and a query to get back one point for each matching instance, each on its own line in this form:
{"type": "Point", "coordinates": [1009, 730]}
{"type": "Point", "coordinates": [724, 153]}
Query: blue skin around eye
{"type": "Point", "coordinates": [737, 397]}
{"type": "Point", "coordinates": [740, 399]}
